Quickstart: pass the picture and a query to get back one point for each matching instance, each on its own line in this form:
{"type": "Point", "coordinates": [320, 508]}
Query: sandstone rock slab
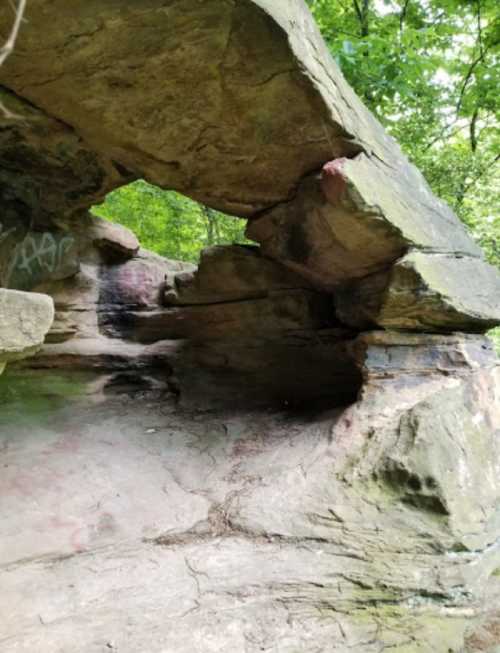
{"type": "Point", "coordinates": [233, 68]}
{"type": "Point", "coordinates": [116, 241]}
{"type": "Point", "coordinates": [277, 313]}
{"type": "Point", "coordinates": [41, 256]}
{"type": "Point", "coordinates": [104, 69]}
{"type": "Point", "coordinates": [425, 292]}
{"type": "Point", "coordinates": [231, 273]}
{"type": "Point", "coordinates": [190, 97]}
{"type": "Point", "coordinates": [25, 319]}
{"type": "Point", "coordinates": [47, 170]}
{"type": "Point", "coordinates": [137, 283]}
{"type": "Point", "coordinates": [352, 220]}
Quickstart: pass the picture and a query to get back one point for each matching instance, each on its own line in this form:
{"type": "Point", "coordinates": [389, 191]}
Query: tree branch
{"type": "Point", "coordinates": [473, 131]}
{"type": "Point", "coordinates": [475, 62]}
{"type": "Point", "coordinates": [467, 79]}
{"type": "Point", "coordinates": [362, 15]}
{"type": "Point", "coordinates": [358, 10]}
{"type": "Point", "coordinates": [9, 44]}
{"type": "Point", "coordinates": [446, 132]}
{"type": "Point", "coordinates": [402, 17]}
{"type": "Point", "coordinates": [479, 29]}
{"type": "Point", "coordinates": [467, 187]}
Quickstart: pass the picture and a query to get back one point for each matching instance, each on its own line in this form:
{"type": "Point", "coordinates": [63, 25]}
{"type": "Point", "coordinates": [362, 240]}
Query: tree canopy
{"type": "Point", "coordinates": [169, 223]}
{"type": "Point", "coordinates": [429, 70]}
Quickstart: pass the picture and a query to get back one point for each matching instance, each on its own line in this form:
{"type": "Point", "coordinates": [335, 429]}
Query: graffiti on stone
{"type": "Point", "coordinates": [5, 232]}
{"type": "Point", "coordinates": [40, 257]}
{"type": "Point", "coordinates": [12, 232]}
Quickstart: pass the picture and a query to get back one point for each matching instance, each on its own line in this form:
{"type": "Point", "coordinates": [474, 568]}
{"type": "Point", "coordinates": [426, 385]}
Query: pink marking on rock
{"type": "Point", "coordinates": [335, 167]}
{"type": "Point", "coordinates": [76, 539]}
{"type": "Point", "coordinates": [333, 180]}
{"type": "Point", "coordinates": [59, 522]}
{"type": "Point", "coordinates": [74, 531]}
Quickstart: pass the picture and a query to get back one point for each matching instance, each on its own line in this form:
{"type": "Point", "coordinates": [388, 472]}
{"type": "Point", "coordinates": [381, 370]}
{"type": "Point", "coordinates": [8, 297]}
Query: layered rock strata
{"type": "Point", "coordinates": [238, 329]}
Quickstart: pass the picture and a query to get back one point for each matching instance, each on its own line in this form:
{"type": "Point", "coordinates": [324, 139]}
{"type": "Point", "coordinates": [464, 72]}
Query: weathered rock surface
{"type": "Point", "coordinates": [214, 128]}
{"type": "Point", "coordinates": [346, 234]}
{"type": "Point", "coordinates": [47, 170]}
{"type": "Point", "coordinates": [365, 528]}
{"type": "Point", "coordinates": [425, 292]}
{"type": "Point", "coordinates": [140, 523]}
{"type": "Point", "coordinates": [107, 356]}
{"type": "Point", "coordinates": [278, 313]}
{"type": "Point", "coordinates": [347, 223]}
{"type": "Point", "coordinates": [249, 58]}
{"type": "Point", "coordinates": [134, 287]}
{"type": "Point", "coordinates": [116, 241]}
{"type": "Point", "coordinates": [439, 456]}
{"type": "Point", "coordinates": [103, 281]}
{"type": "Point", "coordinates": [239, 330]}
{"type": "Point", "coordinates": [25, 319]}
{"type": "Point", "coordinates": [162, 90]}
{"type": "Point", "coordinates": [236, 292]}
{"type": "Point", "coordinates": [40, 256]}
{"type": "Point", "coordinates": [370, 521]}
{"type": "Point", "coordinates": [231, 273]}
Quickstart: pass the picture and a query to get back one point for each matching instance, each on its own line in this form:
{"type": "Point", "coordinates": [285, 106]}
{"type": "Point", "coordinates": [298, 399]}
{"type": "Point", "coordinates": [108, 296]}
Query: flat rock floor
{"type": "Point", "coordinates": [130, 525]}
{"type": "Point", "coordinates": [106, 499]}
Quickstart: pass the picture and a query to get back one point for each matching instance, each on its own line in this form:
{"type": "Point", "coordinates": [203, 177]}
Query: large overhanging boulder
{"type": "Point", "coordinates": [425, 292]}
{"type": "Point", "coordinates": [237, 104]}
{"type": "Point", "coordinates": [231, 102]}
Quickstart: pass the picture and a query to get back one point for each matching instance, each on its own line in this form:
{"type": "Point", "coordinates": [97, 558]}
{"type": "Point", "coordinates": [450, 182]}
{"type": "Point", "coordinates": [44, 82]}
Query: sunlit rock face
{"type": "Point", "coordinates": [370, 524]}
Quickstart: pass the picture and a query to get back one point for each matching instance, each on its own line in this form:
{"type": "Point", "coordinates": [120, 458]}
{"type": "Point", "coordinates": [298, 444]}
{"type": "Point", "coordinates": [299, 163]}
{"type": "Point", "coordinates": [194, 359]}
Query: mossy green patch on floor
{"type": "Point", "coordinates": [28, 394]}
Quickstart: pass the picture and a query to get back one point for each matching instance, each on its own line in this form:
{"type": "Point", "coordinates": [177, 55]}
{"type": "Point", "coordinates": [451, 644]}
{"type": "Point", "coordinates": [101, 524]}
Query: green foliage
{"type": "Point", "coordinates": [168, 223]}
{"type": "Point", "coordinates": [494, 334]}
{"type": "Point", "coordinates": [429, 70]}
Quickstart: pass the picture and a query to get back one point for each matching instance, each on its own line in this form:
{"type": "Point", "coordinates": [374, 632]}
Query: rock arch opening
{"type": "Point", "coordinates": [168, 223]}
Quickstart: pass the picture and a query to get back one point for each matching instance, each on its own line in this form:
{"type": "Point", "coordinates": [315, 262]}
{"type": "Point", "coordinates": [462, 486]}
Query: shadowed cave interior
{"type": "Point", "coordinates": [236, 329]}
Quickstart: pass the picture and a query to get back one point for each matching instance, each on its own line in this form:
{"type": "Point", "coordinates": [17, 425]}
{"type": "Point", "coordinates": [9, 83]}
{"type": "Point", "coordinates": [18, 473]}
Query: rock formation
{"type": "Point", "coordinates": [374, 524]}
{"type": "Point", "coordinates": [25, 319]}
